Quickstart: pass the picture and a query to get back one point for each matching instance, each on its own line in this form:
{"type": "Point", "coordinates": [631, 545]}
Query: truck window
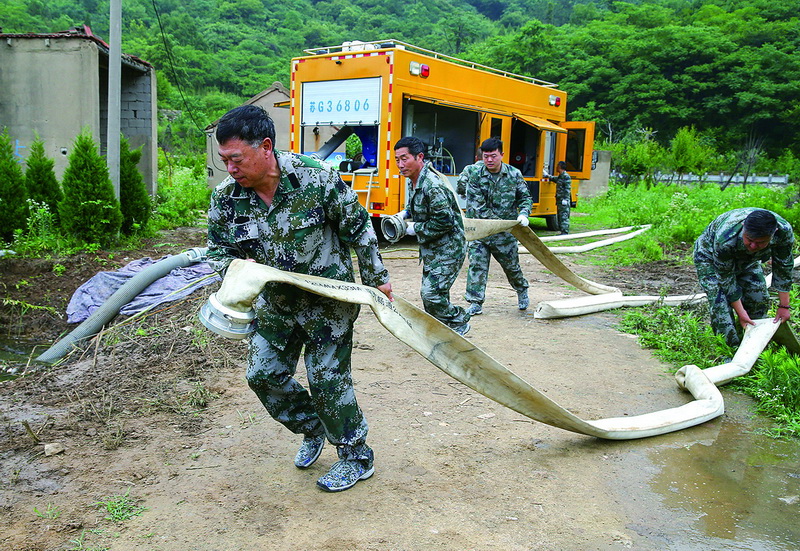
{"type": "Point", "coordinates": [576, 141]}
{"type": "Point", "coordinates": [447, 131]}
{"type": "Point", "coordinates": [523, 147]}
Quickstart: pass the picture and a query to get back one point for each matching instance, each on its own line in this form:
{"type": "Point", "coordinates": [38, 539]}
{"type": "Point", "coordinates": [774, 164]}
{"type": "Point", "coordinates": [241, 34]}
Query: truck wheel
{"type": "Point", "coordinates": [552, 222]}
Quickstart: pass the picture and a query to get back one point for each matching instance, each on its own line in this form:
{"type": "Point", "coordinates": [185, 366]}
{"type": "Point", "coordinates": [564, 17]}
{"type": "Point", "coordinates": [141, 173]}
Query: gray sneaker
{"type": "Point", "coordinates": [463, 329]}
{"type": "Point", "coordinates": [309, 451]}
{"type": "Point", "coordinates": [344, 474]}
{"type": "Point", "coordinates": [522, 300]}
{"type": "Point", "coordinates": [475, 309]}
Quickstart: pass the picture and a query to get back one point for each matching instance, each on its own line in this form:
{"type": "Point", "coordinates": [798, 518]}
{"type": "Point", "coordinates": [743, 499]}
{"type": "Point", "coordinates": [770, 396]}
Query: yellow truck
{"type": "Point", "coordinates": [384, 90]}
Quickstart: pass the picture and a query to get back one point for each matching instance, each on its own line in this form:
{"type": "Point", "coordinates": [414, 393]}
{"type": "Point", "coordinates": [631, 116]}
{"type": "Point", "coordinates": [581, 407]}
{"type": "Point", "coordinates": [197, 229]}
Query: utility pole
{"type": "Point", "coordinates": [114, 88]}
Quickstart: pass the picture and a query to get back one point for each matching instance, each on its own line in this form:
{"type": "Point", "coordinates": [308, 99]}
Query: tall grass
{"type": "Point", "coordinates": [678, 214]}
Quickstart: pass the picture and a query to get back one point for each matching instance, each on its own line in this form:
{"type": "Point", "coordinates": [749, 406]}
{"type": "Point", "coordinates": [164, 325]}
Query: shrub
{"type": "Point", "coordinates": [40, 179]}
{"type": "Point", "coordinates": [135, 202]}
{"type": "Point", "coordinates": [13, 195]}
{"type": "Point", "coordinates": [183, 194]}
{"type": "Point", "coordinates": [90, 211]}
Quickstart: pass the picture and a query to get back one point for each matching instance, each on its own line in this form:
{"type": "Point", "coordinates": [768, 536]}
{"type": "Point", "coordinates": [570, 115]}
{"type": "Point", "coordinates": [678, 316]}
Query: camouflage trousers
{"type": "Point", "coordinates": [437, 279]}
{"type": "Point", "coordinates": [505, 249]}
{"type": "Point", "coordinates": [329, 407]}
{"type": "Point", "coordinates": [755, 299]}
{"type": "Point", "coordinates": [562, 211]}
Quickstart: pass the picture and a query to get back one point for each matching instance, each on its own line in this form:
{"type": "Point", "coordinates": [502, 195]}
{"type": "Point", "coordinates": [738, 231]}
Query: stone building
{"type": "Point", "coordinates": [56, 84]}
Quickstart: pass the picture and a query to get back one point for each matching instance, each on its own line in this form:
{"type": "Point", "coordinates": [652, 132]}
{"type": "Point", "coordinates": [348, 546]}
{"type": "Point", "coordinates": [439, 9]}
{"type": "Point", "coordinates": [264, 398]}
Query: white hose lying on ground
{"type": "Point", "coordinates": [593, 233]}
{"type": "Point", "coordinates": [467, 363]}
{"type": "Point", "coordinates": [578, 306]}
{"type": "Point", "coordinates": [601, 243]}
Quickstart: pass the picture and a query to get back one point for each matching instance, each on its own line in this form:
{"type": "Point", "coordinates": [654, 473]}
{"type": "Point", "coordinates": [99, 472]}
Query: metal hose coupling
{"type": "Point", "coordinates": [393, 227]}
{"type": "Point", "coordinates": [225, 321]}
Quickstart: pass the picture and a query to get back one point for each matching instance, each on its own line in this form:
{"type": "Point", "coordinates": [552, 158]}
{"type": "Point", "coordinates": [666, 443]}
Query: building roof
{"type": "Point", "coordinates": [83, 33]}
{"type": "Point", "coordinates": [276, 86]}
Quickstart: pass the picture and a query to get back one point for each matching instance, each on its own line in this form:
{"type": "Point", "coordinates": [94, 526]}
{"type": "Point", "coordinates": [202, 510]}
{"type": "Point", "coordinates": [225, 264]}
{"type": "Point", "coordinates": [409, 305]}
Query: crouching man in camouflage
{"type": "Point", "coordinates": [494, 190]}
{"type": "Point", "coordinates": [289, 212]}
{"type": "Point", "coordinates": [437, 224]}
{"type": "Point", "coordinates": [728, 256]}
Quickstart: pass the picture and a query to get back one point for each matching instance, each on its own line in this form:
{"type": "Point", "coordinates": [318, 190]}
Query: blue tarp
{"type": "Point", "coordinates": [92, 294]}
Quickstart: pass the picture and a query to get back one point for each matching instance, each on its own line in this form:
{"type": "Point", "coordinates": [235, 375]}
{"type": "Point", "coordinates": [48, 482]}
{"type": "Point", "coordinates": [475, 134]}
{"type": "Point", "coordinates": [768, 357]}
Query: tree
{"type": "Point", "coordinates": [13, 195]}
{"type": "Point", "coordinates": [40, 179]}
{"type": "Point", "coordinates": [637, 156]}
{"type": "Point", "coordinates": [134, 200]}
{"type": "Point", "coordinates": [688, 154]}
{"type": "Point", "coordinates": [90, 211]}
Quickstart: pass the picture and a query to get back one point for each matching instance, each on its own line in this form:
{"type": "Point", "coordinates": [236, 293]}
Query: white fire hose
{"type": "Point", "coordinates": [467, 363]}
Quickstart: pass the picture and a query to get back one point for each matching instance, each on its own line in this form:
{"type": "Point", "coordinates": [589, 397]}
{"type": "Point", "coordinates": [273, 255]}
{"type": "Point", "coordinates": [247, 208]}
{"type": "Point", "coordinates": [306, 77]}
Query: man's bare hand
{"type": "Point", "coordinates": [386, 289]}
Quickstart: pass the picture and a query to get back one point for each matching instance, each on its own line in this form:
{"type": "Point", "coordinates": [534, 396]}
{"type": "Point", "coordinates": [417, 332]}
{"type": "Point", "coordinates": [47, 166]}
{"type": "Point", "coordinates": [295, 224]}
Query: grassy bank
{"type": "Point", "coordinates": [682, 335]}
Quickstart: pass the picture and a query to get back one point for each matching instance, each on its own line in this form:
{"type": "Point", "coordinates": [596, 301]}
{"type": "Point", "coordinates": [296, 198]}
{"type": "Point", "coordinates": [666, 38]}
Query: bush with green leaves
{"type": "Point", "coordinates": [135, 203]}
{"type": "Point", "coordinates": [90, 211]}
{"type": "Point", "coordinates": [40, 179]}
{"type": "Point", "coordinates": [183, 193]}
{"type": "Point", "coordinates": [637, 156]}
{"type": "Point", "coordinates": [13, 194]}
{"type": "Point", "coordinates": [689, 153]}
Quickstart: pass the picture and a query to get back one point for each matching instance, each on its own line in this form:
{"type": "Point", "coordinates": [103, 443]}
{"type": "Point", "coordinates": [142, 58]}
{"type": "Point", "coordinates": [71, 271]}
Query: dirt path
{"type": "Point", "coordinates": [454, 470]}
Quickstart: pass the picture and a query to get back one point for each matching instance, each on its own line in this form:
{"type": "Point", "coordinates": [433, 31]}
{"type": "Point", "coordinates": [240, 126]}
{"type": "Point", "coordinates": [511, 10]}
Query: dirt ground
{"type": "Point", "coordinates": [159, 411]}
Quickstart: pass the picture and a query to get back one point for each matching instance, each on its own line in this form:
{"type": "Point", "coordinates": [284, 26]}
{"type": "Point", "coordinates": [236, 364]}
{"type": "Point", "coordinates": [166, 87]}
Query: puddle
{"type": "Point", "coordinates": [15, 355]}
{"type": "Point", "coordinates": [740, 486]}
{"type": "Point", "coordinates": [718, 486]}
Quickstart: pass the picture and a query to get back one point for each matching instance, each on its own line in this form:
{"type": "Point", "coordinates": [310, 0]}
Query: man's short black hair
{"type": "Point", "coordinates": [492, 144]}
{"type": "Point", "coordinates": [415, 145]}
{"type": "Point", "coordinates": [562, 164]}
{"type": "Point", "coordinates": [760, 223]}
{"type": "Point", "coordinates": [249, 123]}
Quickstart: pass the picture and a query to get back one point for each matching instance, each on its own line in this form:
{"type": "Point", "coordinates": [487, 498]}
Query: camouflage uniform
{"type": "Point", "coordinates": [728, 272]}
{"type": "Point", "coordinates": [563, 184]}
{"type": "Point", "coordinates": [505, 198]}
{"type": "Point", "coordinates": [309, 228]}
{"type": "Point", "coordinates": [442, 245]}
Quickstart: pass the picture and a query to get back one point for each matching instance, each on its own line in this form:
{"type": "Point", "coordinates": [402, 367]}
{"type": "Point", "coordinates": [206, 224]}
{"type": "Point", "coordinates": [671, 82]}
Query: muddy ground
{"type": "Point", "coordinates": [159, 411]}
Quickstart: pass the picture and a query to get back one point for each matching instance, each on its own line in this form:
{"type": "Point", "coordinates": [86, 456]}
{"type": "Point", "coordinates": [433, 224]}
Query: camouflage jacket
{"type": "Point", "coordinates": [504, 199]}
{"type": "Point", "coordinates": [721, 246]}
{"type": "Point", "coordinates": [437, 218]}
{"type": "Point", "coordinates": [309, 228]}
{"type": "Point", "coordinates": [563, 184]}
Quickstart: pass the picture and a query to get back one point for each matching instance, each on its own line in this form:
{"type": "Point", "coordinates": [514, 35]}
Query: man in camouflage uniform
{"type": "Point", "coordinates": [494, 190]}
{"type": "Point", "coordinates": [289, 212]}
{"type": "Point", "coordinates": [437, 224]}
{"type": "Point", "coordinates": [728, 256]}
{"type": "Point", "coordinates": [563, 184]}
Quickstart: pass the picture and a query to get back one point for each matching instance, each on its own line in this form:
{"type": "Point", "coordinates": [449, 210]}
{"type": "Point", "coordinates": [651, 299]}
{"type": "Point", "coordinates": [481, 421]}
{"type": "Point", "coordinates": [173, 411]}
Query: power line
{"type": "Point", "coordinates": [171, 62]}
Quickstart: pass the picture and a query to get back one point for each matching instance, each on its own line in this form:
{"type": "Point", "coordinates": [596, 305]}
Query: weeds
{"type": "Point", "coordinates": [78, 544]}
{"type": "Point", "coordinates": [199, 396]}
{"type": "Point", "coordinates": [50, 513]}
{"type": "Point", "coordinates": [121, 507]}
{"type": "Point", "coordinates": [113, 438]}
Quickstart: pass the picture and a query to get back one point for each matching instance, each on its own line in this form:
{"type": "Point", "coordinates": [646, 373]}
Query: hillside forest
{"type": "Point", "coordinates": [727, 69]}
